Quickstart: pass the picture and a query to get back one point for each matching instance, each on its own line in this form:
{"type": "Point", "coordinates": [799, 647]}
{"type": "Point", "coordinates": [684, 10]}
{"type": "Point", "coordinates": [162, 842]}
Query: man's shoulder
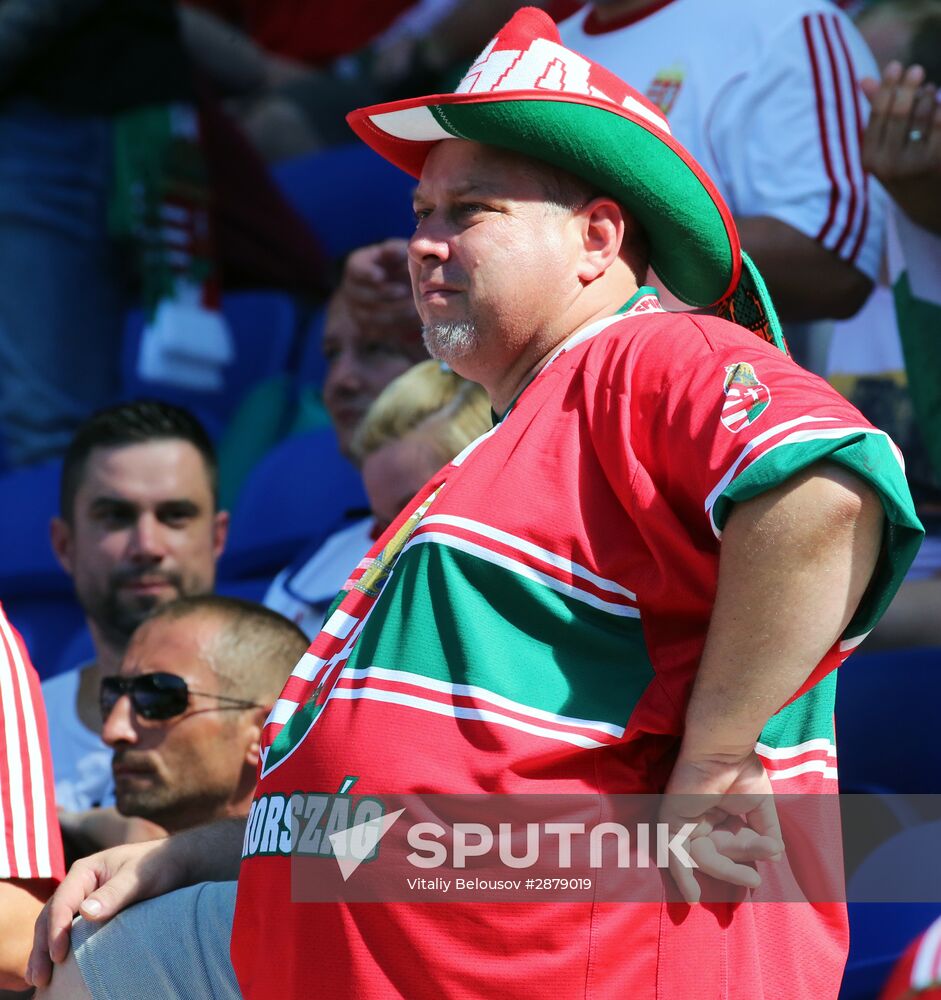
{"type": "Point", "coordinates": [668, 339]}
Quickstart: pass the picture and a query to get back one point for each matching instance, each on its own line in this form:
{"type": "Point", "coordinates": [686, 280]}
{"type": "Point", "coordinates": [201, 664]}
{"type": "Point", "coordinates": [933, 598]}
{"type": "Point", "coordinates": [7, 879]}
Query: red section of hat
{"type": "Point", "coordinates": [530, 24]}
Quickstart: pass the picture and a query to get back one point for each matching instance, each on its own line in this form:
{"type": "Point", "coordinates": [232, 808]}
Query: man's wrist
{"type": "Point", "coordinates": [713, 746]}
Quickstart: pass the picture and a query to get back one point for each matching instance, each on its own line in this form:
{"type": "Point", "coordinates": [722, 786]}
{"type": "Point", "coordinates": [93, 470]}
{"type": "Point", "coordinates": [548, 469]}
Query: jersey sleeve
{"type": "Point", "coordinates": [31, 845]}
{"type": "Point", "coordinates": [716, 417]}
{"type": "Point", "coordinates": [787, 135]}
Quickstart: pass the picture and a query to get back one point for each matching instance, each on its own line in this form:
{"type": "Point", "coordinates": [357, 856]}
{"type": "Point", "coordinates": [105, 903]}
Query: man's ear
{"type": "Point", "coordinates": [220, 532]}
{"type": "Point", "coordinates": [255, 727]}
{"type": "Point", "coordinates": [60, 537]}
{"type": "Point", "coordinates": [602, 221]}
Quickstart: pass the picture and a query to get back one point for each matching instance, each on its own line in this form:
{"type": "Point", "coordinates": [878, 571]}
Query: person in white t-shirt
{"type": "Point", "coordinates": [765, 95]}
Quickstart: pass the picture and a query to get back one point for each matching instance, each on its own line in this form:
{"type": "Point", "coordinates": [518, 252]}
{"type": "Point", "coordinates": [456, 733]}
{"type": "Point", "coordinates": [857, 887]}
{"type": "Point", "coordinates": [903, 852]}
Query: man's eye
{"type": "Point", "coordinates": [420, 214]}
{"type": "Point", "coordinates": [113, 517]}
{"type": "Point", "coordinates": [375, 347]}
{"type": "Point", "coordinates": [177, 515]}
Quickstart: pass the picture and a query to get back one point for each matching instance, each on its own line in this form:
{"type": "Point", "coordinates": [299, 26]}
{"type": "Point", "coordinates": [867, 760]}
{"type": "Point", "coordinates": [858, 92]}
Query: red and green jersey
{"type": "Point", "coordinates": [533, 623]}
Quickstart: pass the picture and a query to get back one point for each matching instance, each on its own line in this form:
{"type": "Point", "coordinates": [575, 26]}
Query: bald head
{"type": "Point", "coordinates": [252, 650]}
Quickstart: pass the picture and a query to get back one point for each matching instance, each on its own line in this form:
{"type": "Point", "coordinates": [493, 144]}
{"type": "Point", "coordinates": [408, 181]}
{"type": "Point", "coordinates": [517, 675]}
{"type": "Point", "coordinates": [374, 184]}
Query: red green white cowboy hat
{"type": "Point", "coordinates": [526, 92]}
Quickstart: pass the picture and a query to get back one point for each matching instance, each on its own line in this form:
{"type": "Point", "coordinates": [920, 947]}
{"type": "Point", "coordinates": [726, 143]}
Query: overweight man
{"type": "Point", "coordinates": [641, 580]}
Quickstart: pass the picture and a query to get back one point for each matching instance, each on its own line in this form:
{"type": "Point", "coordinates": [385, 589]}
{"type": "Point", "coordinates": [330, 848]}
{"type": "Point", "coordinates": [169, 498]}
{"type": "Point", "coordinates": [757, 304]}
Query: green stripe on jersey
{"type": "Point", "coordinates": [810, 717]}
{"type": "Point", "coordinates": [522, 640]}
{"type": "Point", "coordinates": [870, 457]}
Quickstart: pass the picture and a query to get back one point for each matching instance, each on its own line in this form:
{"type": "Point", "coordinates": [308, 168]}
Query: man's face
{"type": "Point", "coordinates": [144, 531]}
{"type": "Point", "coordinates": [187, 769]}
{"type": "Point", "coordinates": [491, 262]}
{"type": "Point", "coordinates": [360, 364]}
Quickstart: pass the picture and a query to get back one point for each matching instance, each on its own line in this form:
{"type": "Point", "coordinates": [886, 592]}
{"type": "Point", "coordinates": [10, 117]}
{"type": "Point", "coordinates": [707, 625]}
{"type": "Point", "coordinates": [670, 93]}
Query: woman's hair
{"type": "Point", "coordinates": [449, 411]}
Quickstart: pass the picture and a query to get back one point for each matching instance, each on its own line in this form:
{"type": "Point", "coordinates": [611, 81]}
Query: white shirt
{"type": "Point", "coordinates": [305, 590]}
{"type": "Point", "coordinates": [81, 762]}
{"type": "Point", "coordinates": [764, 94]}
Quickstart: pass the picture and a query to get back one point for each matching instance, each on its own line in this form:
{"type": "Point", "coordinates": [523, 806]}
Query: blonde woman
{"type": "Point", "coordinates": [418, 423]}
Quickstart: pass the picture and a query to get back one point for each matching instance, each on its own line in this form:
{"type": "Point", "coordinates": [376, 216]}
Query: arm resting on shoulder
{"type": "Point", "coordinates": [103, 884]}
{"type": "Point", "coordinates": [806, 280]}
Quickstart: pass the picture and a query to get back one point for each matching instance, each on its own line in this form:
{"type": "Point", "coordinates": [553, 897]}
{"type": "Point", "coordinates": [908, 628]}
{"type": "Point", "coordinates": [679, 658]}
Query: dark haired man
{"type": "Point", "coordinates": [138, 527]}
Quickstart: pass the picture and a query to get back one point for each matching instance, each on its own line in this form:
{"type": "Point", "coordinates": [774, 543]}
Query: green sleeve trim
{"type": "Point", "coordinates": [869, 456]}
{"type": "Point", "coordinates": [809, 717]}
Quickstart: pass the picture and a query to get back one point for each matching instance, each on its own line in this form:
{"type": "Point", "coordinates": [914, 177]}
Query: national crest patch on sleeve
{"type": "Point", "coordinates": [746, 397]}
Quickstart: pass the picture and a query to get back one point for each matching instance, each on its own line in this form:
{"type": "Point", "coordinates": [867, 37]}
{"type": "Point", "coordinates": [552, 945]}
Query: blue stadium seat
{"type": "Point", "coordinates": [295, 495]}
{"type": "Point", "coordinates": [29, 497]}
{"type": "Point", "coordinates": [319, 186]}
{"type": "Point", "coordinates": [248, 590]}
{"type": "Point", "coordinates": [48, 625]}
{"type": "Point", "coordinates": [886, 719]}
{"type": "Point", "coordinates": [264, 329]}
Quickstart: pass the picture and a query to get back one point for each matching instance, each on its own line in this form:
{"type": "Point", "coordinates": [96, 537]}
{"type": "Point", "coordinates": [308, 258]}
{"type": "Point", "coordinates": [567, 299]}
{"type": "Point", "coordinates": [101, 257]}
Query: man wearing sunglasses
{"type": "Point", "coordinates": [138, 527]}
{"type": "Point", "coordinates": [183, 715]}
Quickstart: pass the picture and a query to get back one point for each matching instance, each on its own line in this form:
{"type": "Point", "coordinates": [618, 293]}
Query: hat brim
{"type": "Point", "coordinates": [694, 244]}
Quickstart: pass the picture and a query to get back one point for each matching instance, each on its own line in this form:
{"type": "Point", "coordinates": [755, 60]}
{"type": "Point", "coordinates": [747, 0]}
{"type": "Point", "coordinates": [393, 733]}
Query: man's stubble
{"type": "Point", "coordinates": [451, 341]}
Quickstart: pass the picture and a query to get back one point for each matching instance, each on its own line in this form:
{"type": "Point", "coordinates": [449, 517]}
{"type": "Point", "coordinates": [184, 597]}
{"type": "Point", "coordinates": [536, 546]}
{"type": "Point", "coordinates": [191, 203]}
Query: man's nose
{"type": "Point", "coordinates": [345, 373]}
{"type": "Point", "coordinates": [119, 726]}
{"type": "Point", "coordinates": [430, 239]}
{"type": "Point", "coordinates": [148, 539]}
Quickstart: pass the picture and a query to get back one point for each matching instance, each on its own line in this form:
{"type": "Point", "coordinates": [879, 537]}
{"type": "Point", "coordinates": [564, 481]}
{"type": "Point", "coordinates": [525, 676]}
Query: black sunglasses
{"type": "Point", "coordinates": [155, 696]}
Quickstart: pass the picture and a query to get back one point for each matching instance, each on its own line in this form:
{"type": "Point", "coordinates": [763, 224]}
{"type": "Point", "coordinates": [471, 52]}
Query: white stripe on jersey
{"type": "Point", "coordinates": [23, 729]}
{"type": "Point", "coordinates": [530, 549]}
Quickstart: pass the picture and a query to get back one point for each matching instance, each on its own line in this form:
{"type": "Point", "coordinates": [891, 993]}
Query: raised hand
{"type": "Point", "coordinates": [902, 144]}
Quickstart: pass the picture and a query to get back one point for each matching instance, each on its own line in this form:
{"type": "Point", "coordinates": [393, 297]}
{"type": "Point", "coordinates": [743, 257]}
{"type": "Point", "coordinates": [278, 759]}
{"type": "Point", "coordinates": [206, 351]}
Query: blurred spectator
{"type": "Point", "coordinates": [102, 188]}
{"type": "Point", "coordinates": [138, 528]}
{"type": "Point", "coordinates": [764, 95]}
{"type": "Point", "coordinates": [418, 423]}
{"type": "Point", "coordinates": [301, 33]}
{"type": "Point", "coordinates": [30, 847]}
{"type": "Point", "coordinates": [293, 70]}
{"type": "Point", "coordinates": [372, 334]}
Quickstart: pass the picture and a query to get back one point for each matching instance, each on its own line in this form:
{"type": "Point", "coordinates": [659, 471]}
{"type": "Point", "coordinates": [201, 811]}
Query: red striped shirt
{"type": "Point", "coordinates": [31, 845]}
